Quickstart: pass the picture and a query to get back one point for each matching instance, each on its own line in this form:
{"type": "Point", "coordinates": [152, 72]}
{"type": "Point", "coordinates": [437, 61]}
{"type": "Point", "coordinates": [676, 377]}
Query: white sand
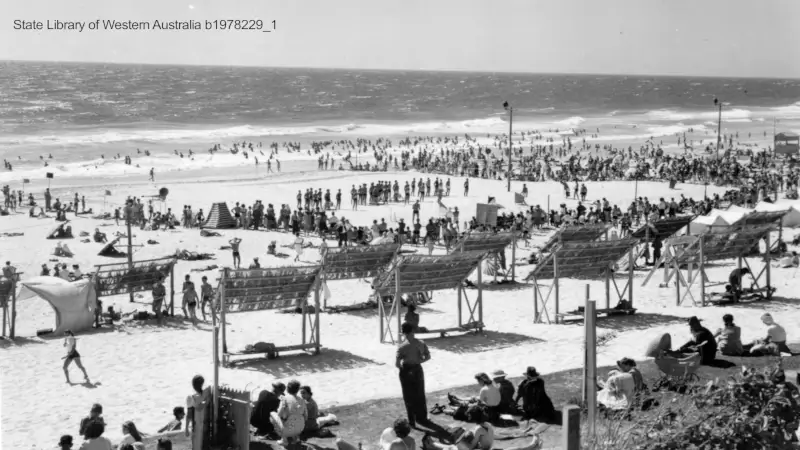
{"type": "Point", "coordinates": [142, 371]}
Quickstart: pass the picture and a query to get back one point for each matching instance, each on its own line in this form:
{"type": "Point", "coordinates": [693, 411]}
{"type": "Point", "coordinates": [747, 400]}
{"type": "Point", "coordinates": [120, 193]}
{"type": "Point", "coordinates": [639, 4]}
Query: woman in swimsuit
{"type": "Point", "coordinates": [72, 355]}
{"type": "Point", "coordinates": [189, 300]}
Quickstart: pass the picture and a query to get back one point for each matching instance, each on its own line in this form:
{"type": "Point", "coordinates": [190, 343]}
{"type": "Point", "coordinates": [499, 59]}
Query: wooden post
{"type": "Point", "coordinates": [316, 321]}
{"type": "Point", "coordinates": [304, 316]}
{"type": "Point", "coordinates": [128, 213]}
{"type": "Point", "coordinates": [608, 287]}
{"type": "Point", "coordinates": [739, 266]}
{"type": "Point", "coordinates": [535, 300]}
{"type": "Point", "coordinates": [768, 268]}
{"type": "Point", "coordinates": [480, 296]}
{"type": "Point", "coordinates": [222, 311]}
{"type": "Point", "coordinates": [215, 355]}
{"type": "Point", "coordinates": [381, 314]}
{"type": "Point", "coordinates": [513, 256]}
{"type": "Point", "coordinates": [590, 365]}
{"type": "Point", "coordinates": [13, 326]}
{"type": "Point", "coordinates": [5, 315]}
{"type": "Point", "coordinates": [584, 391]}
{"type": "Point", "coordinates": [571, 428]}
{"type": "Point", "coordinates": [459, 306]}
{"type": "Point", "coordinates": [631, 261]}
{"type": "Point", "coordinates": [702, 269]}
{"type": "Point", "coordinates": [172, 291]}
{"type": "Point", "coordinates": [677, 282]}
{"type": "Point", "coordinates": [555, 280]}
{"type": "Point", "coordinates": [396, 304]}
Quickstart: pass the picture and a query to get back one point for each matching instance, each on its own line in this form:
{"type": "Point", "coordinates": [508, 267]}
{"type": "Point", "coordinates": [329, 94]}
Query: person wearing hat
{"type": "Point", "coordinates": [489, 395]}
{"type": "Point", "coordinates": [95, 415]}
{"type": "Point", "coordinates": [65, 443]}
{"type": "Point", "coordinates": [702, 342]}
{"type": "Point", "coordinates": [536, 404]}
{"type": "Point", "coordinates": [506, 388]}
{"type": "Point", "coordinates": [255, 264]}
{"type": "Point", "coordinates": [267, 403]}
{"type": "Point", "coordinates": [409, 359]}
{"type": "Point", "coordinates": [729, 337]}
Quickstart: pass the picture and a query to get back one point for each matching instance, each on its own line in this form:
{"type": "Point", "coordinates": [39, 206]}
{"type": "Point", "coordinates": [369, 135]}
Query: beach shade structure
{"type": "Point", "coordinates": [787, 143]}
{"type": "Point", "coordinates": [61, 231]}
{"type": "Point", "coordinates": [588, 261]}
{"type": "Point", "coordinates": [494, 245]}
{"type": "Point", "coordinates": [409, 274]}
{"type": "Point", "coordinates": [348, 263]}
{"type": "Point", "coordinates": [219, 217]}
{"type": "Point", "coordinates": [486, 213]}
{"type": "Point", "coordinates": [761, 218]}
{"type": "Point", "coordinates": [139, 276]}
{"type": "Point", "coordinates": [576, 233]}
{"type": "Point", "coordinates": [73, 302]}
{"type": "Point", "coordinates": [694, 252]}
{"type": "Point", "coordinates": [791, 217]}
{"type": "Point", "coordinates": [109, 250]}
{"type": "Point", "coordinates": [702, 224]}
{"type": "Point", "coordinates": [662, 229]}
{"type": "Point", "coordinates": [250, 290]}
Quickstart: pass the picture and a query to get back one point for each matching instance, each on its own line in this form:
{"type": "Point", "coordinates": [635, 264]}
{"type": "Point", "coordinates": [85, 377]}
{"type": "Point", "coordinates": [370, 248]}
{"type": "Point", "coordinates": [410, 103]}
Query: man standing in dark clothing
{"type": "Point", "coordinates": [410, 357]}
{"type": "Point", "coordinates": [702, 342]}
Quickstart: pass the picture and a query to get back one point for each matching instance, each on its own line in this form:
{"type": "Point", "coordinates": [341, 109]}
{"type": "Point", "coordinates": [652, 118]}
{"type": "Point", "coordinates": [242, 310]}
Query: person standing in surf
{"type": "Point", "coordinates": [72, 355]}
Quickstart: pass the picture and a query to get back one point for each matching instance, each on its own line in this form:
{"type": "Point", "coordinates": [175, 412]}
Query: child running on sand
{"type": "Point", "coordinates": [72, 355]}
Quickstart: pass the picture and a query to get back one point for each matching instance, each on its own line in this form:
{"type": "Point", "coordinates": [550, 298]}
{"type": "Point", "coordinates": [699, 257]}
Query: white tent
{"type": "Point", "coordinates": [792, 217]}
{"type": "Point", "coordinates": [711, 222]}
{"type": "Point", "coordinates": [73, 302]}
{"type": "Point", "coordinates": [732, 214]}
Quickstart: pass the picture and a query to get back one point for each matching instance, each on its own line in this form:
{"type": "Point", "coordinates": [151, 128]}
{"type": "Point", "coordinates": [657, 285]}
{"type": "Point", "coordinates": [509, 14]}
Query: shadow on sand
{"type": "Point", "coordinates": [304, 363]}
{"type": "Point", "coordinates": [476, 343]}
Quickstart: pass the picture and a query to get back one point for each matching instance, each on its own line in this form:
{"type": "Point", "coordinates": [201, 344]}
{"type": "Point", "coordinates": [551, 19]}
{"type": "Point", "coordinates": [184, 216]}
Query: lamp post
{"type": "Point", "coordinates": [510, 110]}
{"type": "Point", "coordinates": [719, 124]}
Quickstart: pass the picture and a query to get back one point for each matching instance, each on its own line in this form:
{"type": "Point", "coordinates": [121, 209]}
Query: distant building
{"type": "Point", "coordinates": [787, 144]}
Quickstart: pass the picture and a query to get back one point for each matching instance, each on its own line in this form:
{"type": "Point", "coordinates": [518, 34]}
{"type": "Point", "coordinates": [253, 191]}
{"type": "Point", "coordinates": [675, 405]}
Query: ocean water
{"type": "Point", "coordinates": [77, 112]}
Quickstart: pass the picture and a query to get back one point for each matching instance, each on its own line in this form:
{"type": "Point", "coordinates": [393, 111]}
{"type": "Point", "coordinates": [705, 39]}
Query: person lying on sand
{"type": "Point", "coordinates": [175, 424]}
{"type": "Point", "coordinates": [479, 438]}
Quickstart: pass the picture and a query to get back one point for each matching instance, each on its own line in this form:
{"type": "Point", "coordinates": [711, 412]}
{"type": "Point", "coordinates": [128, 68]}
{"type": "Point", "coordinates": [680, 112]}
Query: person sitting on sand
{"type": "Point", "coordinates": [397, 437]}
{"type": "Point", "coordinates": [536, 404]}
{"type": "Point", "coordinates": [488, 396]}
{"type": "Point", "coordinates": [729, 337]}
{"type": "Point", "coordinates": [176, 423]}
{"type": "Point", "coordinates": [290, 419]}
{"type": "Point", "coordinates": [164, 444]}
{"type": "Point", "coordinates": [315, 420]}
{"type": "Point", "coordinates": [100, 237]}
{"type": "Point", "coordinates": [271, 248]}
{"type": "Point", "coordinates": [479, 438]}
{"type": "Point", "coordinates": [95, 415]}
{"type": "Point", "coordinates": [95, 439]}
{"type": "Point", "coordinates": [775, 341]}
{"type": "Point", "coordinates": [130, 433]}
{"type": "Point", "coordinates": [702, 342]}
{"type": "Point", "coordinates": [267, 403]}
{"type": "Point", "coordinates": [790, 261]}
{"type": "Point", "coordinates": [506, 388]}
{"type": "Point", "coordinates": [412, 318]}
{"type": "Point", "coordinates": [617, 393]}
{"type": "Point", "coordinates": [65, 443]}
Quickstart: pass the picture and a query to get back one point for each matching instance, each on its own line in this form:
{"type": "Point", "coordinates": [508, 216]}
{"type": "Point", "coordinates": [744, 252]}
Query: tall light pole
{"type": "Point", "coordinates": [510, 110]}
{"type": "Point", "coordinates": [719, 124]}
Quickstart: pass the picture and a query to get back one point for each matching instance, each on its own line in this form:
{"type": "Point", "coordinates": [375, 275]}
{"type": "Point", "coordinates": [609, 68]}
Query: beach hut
{"type": "Point", "coordinates": [703, 224]}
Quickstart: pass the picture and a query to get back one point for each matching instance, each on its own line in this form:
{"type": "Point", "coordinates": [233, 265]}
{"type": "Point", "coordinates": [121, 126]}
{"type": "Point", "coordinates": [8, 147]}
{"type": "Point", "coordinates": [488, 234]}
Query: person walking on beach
{"type": "Point", "coordinates": [152, 174]}
{"type": "Point", "coordinates": [298, 246]}
{"type": "Point", "coordinates": [410, 357]}
{"type": "Point", "coordinates": [237, 259]}
{"type": "Point", "coordinates": [72, 355]}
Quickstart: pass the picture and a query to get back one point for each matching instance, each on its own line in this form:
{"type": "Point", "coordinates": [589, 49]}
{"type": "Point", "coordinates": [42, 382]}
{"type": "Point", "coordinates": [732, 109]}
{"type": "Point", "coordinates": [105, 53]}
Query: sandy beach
{"type": "Point", "coordinates": [140, 371]}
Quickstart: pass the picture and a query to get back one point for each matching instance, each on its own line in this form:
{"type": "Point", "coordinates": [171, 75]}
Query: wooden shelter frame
{"type": "Point", "coordinates": [133, 279]}
{"type": "Point", "coordinates": [762, 218]}
{"type": "Point", "coordinates": [492, 244]}
{"type": "Point", "coordinates": [244, 290]}
{"type": "Point", "coordinates": [347, 263]}
{"type": "Point", "coordinates": [422, 273]}
{"type": "Point", "coordinates": [583, 260]}
{"type": "Point", "coordinates": [696, 251]}
{"type": "Point", "coordinates": [576, 233]}
{"type": "Point", "coordinates": [663, 229]}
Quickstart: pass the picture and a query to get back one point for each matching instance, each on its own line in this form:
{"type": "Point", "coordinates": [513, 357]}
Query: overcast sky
{"type": "Point", "coordinates": [671, 37]}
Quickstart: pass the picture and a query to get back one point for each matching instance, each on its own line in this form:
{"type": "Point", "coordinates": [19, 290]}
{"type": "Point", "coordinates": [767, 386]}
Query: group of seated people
{"type": "Point", "coordinates": [728, 340]}
{"type": "Point", "coordinates": [93, 426]}
{"type": "Point", "coordinates": [288, 413]}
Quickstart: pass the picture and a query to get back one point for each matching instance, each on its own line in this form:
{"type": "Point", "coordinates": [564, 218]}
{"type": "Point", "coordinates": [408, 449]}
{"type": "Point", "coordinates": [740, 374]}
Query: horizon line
{"type": "Point", "coordinates": [660, 75]}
